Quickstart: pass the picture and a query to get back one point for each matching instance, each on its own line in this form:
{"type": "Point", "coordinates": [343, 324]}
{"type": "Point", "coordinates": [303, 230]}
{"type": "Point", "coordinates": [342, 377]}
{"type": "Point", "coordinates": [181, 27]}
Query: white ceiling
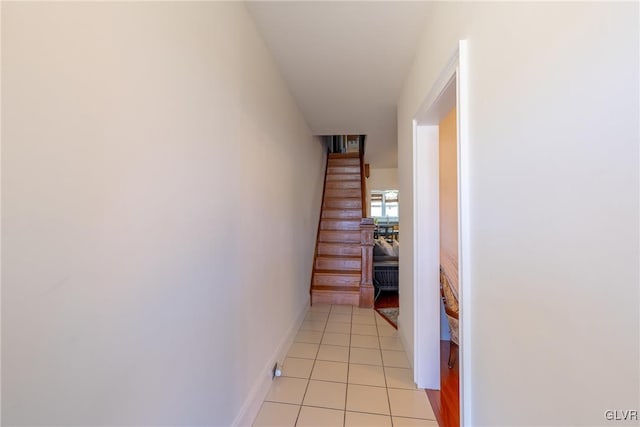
{"type": "Point", "coordinates": [345, 63]}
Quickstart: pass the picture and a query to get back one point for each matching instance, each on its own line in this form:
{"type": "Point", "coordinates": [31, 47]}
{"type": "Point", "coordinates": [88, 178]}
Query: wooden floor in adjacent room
{"type": "Point", "coordinates": [446, 401]}
{"type": "Point", "coordinates": [387, 299]}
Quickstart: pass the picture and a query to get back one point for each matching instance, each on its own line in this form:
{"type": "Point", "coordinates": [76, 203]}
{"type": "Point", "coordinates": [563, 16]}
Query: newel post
{"type": "Point", "coordinates": [366, 241]}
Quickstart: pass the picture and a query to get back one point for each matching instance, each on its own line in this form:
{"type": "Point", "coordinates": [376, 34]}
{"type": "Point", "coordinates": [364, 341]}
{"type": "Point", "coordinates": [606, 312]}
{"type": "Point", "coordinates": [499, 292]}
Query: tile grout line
{"type": "Point", "coordinates": [311, 373]}
{"type": "Point", "coordinates": [315, 360]}
{"type": "Point", "coordinates": [346, 389]}
{"type": "Point", "coordinates": [384, 373]}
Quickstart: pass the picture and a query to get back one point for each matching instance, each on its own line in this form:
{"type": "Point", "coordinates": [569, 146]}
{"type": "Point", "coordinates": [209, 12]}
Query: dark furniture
{"type": "Point", "coordinates": [385, 270]}
{"type": "Point", "coordinates": [385, 274]}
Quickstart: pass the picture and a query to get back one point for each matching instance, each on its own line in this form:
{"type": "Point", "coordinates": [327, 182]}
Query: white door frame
{"type": "Point", "coordinates": [449, 90]}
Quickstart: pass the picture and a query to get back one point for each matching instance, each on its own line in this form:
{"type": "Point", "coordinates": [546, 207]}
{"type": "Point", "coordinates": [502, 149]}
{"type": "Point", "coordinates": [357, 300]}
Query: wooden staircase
{"type": "Point", "coordinates": [343, 248]}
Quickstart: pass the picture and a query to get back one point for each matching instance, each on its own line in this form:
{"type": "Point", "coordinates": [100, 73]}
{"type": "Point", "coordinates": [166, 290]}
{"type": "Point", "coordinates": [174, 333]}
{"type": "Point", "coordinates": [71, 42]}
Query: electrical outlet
{"type": "Point", "coordinates": [273, 371]}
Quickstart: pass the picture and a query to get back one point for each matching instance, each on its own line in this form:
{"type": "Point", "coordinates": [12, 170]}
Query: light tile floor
{"type": "Point", "coordinates": [346, 368]}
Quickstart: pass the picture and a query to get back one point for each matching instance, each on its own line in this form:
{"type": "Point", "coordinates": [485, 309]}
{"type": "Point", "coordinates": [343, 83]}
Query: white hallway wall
{"type": "Point", "coordinates": [381, 179]}
{"type": "Point", "coordinates": [554, 205]}
{"type": "Point", "coordinates": [160, 196]}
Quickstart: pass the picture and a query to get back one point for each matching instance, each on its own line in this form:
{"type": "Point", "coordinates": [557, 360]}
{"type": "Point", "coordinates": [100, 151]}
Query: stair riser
{"type": "Point", "coordinates": [330, 224]}
{"type": "Point", "coordinates": [343, 177]}
{"type": "Point", "coordinates": [344, 162]}
{"type": "Point", "coordinates": [343, 169]}
{"type": "Point", "coordinates": [341, 192]}
{"type": "Point", "coordinates": [342, 204]}
{"type": "Point", "coordinates": [323, 263]}
{"type": "Point", "coordinates": [343, 298]}
{"type": "Point", "coordinates": [339, 249]}
{"type": "Point", "coordinates": [320, 279]}
{"type": "Point", "coordinates": [354, 185]}
{"type": "Point", "coordinates": [344, 156]}
{"type": "Point", "coordinates": [342, 214]}
{"type": "Point", "coordinates": [339, 236]}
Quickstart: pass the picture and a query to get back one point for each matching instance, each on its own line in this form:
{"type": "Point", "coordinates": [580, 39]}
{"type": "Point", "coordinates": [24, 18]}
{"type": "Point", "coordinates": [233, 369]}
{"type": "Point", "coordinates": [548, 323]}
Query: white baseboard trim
{"type": "Point", "coordinates": [258, 392]}
{"type": "Point", "coordinates": [405, 343]}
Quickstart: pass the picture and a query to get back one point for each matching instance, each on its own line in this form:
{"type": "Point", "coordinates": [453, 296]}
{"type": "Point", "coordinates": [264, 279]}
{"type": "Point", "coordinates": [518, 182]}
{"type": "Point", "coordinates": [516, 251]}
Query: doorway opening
{"type": "Point", "coordinates": [384, 208]}
{"type": "Point", "coordinates": [441, 246]}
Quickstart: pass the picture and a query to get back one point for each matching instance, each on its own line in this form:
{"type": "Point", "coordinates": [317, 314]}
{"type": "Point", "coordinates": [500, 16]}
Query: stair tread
{"type": "Point", "coordinates": [344, 155]}
{"type": "Point", "coordinates": [343, 185]}
{"type": "Point", "coordinates": [337, 249]}
{"type": "Point", "coordinates": [348, 201]}
{"type": "Point", "coordinates": [337, 211]}
{"type": "Point", "coordinates": [345, 177]}
{"type": "Point", "coordinates": [337, 272]}
{"type": "Point", "coordinates": [353, 288]}
{"type": "Point", "coordinates": [341, 244]}
{"type": "Point", "coordinates": [339, 236]}
{"type": "Point", "coordinates": [340, 257]}
{"type": "Point", "coordinates": [340, 224]}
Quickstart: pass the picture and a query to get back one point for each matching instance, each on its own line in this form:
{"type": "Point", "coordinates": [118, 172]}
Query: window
{"type": "Point", "coordinates": [376, 205]}
{"type": "Point", "coordinates": [384, 204]}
